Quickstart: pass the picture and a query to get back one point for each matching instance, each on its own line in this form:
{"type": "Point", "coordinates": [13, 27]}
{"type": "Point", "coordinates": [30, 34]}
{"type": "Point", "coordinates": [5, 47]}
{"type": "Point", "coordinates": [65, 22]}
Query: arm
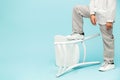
{"type": "Point", "coordinates": [111, 11]}
{"type": "Point", "coordinates": [92, 7]}
{"type": "Point", "coordinates": [92, 12]}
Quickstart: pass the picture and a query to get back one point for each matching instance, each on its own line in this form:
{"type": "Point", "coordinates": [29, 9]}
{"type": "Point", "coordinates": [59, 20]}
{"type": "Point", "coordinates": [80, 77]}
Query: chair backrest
{"type": "Point", "coordinates": [66, 54]}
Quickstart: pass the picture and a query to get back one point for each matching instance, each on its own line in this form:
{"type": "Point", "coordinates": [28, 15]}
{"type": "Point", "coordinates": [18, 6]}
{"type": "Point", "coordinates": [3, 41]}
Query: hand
{"type": "Point", "coordinates": [109, 25]}
{"type": "Point", "coordinates": [93, 19]}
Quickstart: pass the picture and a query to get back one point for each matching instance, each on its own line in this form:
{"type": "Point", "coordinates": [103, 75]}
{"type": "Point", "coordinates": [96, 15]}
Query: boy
{"type": "Point", "coordinates": [103, 13]}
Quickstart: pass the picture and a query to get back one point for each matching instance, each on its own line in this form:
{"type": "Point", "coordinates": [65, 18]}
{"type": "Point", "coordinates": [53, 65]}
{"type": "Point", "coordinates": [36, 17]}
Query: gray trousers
{"type": "Point", "coordinates": [108, 39]}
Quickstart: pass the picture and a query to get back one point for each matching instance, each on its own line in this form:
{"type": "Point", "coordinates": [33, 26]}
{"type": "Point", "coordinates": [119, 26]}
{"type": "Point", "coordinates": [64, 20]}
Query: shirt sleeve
{"type": "Point", "coordinates": [92, 6]}
{"type": "Point", "coordinates": [111, 10]}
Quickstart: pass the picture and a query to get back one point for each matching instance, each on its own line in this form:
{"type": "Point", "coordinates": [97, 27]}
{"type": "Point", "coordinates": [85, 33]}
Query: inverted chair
{"type": "Point", "coordinates": [67, 53]}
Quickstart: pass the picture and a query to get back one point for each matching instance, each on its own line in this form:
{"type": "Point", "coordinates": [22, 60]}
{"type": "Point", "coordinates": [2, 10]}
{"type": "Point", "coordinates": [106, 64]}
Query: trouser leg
{"type": "Point", "coordinates": [108, 42]}
{"type": "Point", "coordinates": [77, 18]}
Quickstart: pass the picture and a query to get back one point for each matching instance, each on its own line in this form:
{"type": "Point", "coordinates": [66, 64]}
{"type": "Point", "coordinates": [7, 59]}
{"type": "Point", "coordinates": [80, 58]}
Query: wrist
{"type": "Point", "coordinates": [109, 22]}
{"type": "Point", "coordinates": [92, 14]}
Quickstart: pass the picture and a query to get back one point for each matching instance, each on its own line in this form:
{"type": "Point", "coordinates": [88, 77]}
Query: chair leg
{"type": "Point", "coordinates": [84, 47]}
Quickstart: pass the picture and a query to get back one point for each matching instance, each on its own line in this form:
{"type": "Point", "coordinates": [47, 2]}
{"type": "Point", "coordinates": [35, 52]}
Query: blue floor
{"type": "Point", "coordinates": [27, 30]}
{"type": "Point", "coordinates": [32, 69]}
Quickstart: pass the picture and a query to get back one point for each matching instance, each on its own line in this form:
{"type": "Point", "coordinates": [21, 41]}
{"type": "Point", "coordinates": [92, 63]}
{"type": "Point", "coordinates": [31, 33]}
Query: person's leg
{"type": "Point", "coordinates": [77, 18]}
{"type": "Point", "coordinates": [77, 22]}
{"type": "Point", "coordinates": [108, 42]}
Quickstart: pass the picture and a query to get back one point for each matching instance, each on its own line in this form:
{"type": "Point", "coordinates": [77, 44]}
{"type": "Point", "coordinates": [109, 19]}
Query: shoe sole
{"type": "Point", "coordinates": [106, 70]}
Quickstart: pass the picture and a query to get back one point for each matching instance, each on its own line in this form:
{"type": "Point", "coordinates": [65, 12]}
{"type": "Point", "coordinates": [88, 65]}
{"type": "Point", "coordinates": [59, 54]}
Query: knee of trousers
{"type": "Point", "coordinates": [108, 42]}
{"type": "Point", "coordinates": [108, 37]}
{"type": "Point", "coordinates": [76, 9]}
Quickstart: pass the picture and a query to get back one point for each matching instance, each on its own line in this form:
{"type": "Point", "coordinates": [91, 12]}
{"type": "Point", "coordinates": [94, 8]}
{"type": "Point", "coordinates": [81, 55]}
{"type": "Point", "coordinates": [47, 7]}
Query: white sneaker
{"type": "Point", "coordinates": [106, 66]}
{"type": "Point", "coordinates": [75, 37]}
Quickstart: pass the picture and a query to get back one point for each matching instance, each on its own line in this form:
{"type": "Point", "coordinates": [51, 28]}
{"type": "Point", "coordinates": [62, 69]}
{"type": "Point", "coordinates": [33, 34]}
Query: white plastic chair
{"type": "Point", "coordinates": [68, 54]}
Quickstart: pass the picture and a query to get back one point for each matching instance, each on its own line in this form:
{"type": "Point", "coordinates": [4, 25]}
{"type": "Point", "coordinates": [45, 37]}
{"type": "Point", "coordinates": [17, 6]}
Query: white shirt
{"type": "Point", "coordinates": [104, 10]}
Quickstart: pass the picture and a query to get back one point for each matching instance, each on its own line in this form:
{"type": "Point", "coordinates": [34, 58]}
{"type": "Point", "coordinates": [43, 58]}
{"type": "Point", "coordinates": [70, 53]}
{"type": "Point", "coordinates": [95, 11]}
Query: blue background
{"type": "Point", "coordinates": [27, 30]}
